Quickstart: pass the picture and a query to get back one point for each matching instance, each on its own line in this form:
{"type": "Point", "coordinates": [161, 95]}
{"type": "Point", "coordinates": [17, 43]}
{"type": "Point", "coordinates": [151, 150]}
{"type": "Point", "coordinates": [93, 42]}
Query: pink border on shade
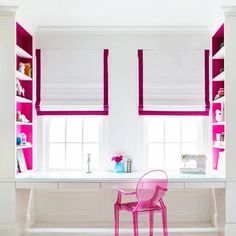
{"type": "Point", "coordinates": [105, 110]}
{"type": "Point", "coordinates": [173, 113]}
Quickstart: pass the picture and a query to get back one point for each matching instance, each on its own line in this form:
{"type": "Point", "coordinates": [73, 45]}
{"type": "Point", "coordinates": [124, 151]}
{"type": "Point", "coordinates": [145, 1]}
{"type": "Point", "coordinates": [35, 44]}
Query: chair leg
{"type": "Point", "coordinates": [116, 214]}
{"type": "Point", "coordinates": [151, 221]}
{"type": "Point", "coordinates": [135, 223]}
{"type": "Point", "coordinates": [164, 221]}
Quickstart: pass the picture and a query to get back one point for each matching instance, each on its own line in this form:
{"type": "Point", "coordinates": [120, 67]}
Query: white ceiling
{"type": "Point", "coordinates": [121, 12]}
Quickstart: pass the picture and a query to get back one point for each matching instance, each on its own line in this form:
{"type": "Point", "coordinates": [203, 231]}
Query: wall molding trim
{"type": "Point", "coordinates": [121, 30]}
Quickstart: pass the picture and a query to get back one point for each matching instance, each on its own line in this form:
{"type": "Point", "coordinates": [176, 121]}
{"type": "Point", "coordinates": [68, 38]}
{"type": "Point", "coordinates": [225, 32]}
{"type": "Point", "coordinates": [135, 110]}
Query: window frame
{"type": "Point", "coordinates": [202, 145]}
{"type": "Point", "coordinates": [46, 144]}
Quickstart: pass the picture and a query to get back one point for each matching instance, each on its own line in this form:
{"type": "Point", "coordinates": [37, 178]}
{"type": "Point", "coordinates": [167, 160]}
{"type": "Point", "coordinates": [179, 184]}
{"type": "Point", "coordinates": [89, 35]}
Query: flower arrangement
{"type": "Point", "coordinates": [117, 159]}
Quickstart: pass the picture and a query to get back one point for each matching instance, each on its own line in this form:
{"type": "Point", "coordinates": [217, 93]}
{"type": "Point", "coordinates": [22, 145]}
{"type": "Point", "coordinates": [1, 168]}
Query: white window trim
{"type": "Point", "coordinates": [203, 144]}
{"type": "Point", "coordinates": [45, 147]}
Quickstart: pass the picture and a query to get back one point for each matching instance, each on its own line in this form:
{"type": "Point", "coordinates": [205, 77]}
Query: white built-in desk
{"type": "Point", "coordinates": [110, 180]}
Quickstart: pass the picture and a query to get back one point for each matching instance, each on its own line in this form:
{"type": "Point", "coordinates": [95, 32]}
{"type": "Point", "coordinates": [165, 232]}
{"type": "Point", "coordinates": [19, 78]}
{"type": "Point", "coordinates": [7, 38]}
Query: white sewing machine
{"type": "Point", "coordinates": [193, 163]}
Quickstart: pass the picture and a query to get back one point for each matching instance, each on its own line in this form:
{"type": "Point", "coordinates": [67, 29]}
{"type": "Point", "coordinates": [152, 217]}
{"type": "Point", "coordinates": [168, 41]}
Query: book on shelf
{"type": "Point", "coordinates": [21, 164]}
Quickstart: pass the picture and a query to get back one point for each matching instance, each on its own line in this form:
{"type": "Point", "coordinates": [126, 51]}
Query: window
{"type": "Point", "coordinates": [169, 137]}
{"type": "Point", "coordinates": [70, 140]}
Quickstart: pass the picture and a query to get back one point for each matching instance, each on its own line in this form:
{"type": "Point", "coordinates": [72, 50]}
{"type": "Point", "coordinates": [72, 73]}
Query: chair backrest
{"type": "Point", "coordinates": [150, 186]}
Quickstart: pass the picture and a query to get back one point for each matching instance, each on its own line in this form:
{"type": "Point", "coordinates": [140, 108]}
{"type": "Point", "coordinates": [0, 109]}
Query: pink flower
{"type": "Point", "coordinates": [117, 158]}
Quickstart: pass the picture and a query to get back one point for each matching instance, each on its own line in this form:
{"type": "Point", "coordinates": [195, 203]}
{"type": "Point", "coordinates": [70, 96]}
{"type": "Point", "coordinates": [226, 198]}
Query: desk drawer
{"type": "Point", "coordinates": [175, 185]}
{"type": "Point", "coordinates": [204, 185]}
{"type": "Point", "coordinates": [30, 185]}
{"type": "Point", "coordinates": [79, 186]}
{"type": "Point", "coordinates": [118, 186]}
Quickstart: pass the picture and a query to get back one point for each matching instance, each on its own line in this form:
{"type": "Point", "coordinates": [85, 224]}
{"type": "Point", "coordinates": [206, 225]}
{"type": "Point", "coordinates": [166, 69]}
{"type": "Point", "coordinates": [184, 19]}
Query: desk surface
{"type": "Point", "coordinates": [110, 177]}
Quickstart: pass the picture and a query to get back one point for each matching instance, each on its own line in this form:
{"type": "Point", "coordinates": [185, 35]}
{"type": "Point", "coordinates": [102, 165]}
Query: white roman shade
{"type": "Point", "coordinates": [173, 81]}
{"type": "Point", "coordinates": [72, 81]}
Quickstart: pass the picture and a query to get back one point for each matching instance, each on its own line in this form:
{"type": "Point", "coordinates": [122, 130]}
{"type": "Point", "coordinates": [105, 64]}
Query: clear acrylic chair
{"type": "Point", "coordinates": [150, 191]}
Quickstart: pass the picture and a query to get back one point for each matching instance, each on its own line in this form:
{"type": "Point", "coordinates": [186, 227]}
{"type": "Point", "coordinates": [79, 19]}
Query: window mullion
{"type": "Point", "coordinates": [82, 144]}
{"type": "Point", "coordinates": [65, 141]}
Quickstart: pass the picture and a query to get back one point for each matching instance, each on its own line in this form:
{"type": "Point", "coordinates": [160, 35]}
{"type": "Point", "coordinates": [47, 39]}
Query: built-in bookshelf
{"type": "Point", "coordinates": [24, 100]}
{"type": "Point", "coordinates": [218, 98]}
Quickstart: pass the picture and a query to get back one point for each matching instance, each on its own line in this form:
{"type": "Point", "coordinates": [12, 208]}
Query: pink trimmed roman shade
{"type": "Point", "coordinates": [72, 82]}
{"type": "Point", "coordinates": [173, 82]}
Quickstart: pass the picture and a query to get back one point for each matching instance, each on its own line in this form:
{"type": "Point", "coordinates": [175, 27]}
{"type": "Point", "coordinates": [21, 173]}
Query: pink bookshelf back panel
{"type": "Point", "coordinates": [27, 129]}
{"type": "Point", "coordinates": [23, 39]}
{"type": "Point", "coordinates": [217, 40]}
{"type": "Point", "coordinates": [26, 109]}
{"type": "Point", "coordinates": [216, 87]}
{"type": "Point", "coordinates": [216, 106]}
{"type": "Point", "coordinates": [217, 129]}
{"type": "Point", "coordinates": [216, 152]}
{"type": "Point", "coordinates": [27, 85]}
{"type": "Point", "coordinates": [28, 158]}
{"type": "Point", "coordinates": [217, 65]}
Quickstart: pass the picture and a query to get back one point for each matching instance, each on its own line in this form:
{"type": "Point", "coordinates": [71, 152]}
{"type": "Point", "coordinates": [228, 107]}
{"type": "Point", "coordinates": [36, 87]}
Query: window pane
{"type": "Point", "coordinates": [172, 130]}
{"type": "Point", "coordinates": [156, 130]}
{"type": "Point", "coordinates": [74, 130]}
{"type": "Point", "coordinates": [57, 129]}
{"type": "Point", "coordinates": [156, 155]}
{"type": "Point", "coordinates": [56, 156]}
{"type": "Point", "coordinates": [189, 148]}
{"type": "Point", "coordinates": [91, 130]}
{"type": "Point", "coordinates": [172, 156]}
{"type": "Point", "coordinates": [74, 156]}
{"type": "Point", "coordinates": [189, 129]}
{"type": "Point", "coordinates": [92, 149]}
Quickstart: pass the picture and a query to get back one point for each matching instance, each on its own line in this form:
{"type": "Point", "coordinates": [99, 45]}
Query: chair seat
{"type": "Point", "coordinates": [130, 206]}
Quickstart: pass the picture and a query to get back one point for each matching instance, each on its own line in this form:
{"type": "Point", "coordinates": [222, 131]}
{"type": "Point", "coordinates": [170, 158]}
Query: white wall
{"type": "Point", "coordinates": [122, 134]}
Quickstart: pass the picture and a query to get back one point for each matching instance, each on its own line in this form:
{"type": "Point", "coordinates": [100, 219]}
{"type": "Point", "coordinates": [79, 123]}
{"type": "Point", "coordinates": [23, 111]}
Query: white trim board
{"type": "Point", "coordinates": [121, 30]}
{"type": "Point", "coordinates": [124, 232]}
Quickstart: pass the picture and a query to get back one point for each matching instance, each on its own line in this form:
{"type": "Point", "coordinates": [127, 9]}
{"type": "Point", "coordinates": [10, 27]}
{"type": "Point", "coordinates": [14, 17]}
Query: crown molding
{"type": "Point", "coordinates": [121, 29]}
{"type": "Point", "coordinates": [8, 10]}
{"type": "Point", "coordinates": [229, 10]}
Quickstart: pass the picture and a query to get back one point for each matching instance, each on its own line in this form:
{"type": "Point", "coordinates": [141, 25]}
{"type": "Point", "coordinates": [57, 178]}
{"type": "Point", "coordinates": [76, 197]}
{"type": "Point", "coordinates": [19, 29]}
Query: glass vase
{"type": "Point", "coordinates": [119, 167]}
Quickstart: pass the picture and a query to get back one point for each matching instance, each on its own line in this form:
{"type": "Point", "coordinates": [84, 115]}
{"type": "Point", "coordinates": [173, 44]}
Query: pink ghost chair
{"type": "Point", "coordinates": [150, 191]}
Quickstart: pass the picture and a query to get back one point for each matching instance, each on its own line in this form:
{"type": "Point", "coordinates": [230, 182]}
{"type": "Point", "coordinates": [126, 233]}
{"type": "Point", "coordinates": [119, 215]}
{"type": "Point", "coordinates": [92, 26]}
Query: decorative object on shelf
{"type": "Point", "coordinates": [129, 165]}
{"type": "Point", "coordinates": [21, 117]}
{"type": "Point", "coordinates": [21, 160]}
{"type": "Point", "coordinates": [220, 93]}
{"type": "Point", "coordinates": [18, 141]}
{"type": "Point", "coordinates": [221, 70]}
{"type": "Point", "coordinates": [193, 163]}
{"type": "Point", "coordinates": [119, 165]}
{"type": "Point", "coordinates": [89, 162]}
{"type": "Point", "coordinates": [222, 45]}
{"type": "Point", "coordinates": [20, 91]}
{"type": "Point", "coordinates": [219, 115]}
{"type": "Point", "coordinates": [27, 69]}
{"type": "Point", "coordinates": [23, 139]}
{"type": "Point", "coordinates": [21, 68]}
{"type": "Point", "coordinates": [220, 139]}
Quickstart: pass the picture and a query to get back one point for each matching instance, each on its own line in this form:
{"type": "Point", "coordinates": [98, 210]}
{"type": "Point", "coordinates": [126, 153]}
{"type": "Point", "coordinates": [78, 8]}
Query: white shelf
{"type": "Point", "coordinates": [22, 53]}
{"type": "Point", "coordinates": [22, 76]}
{"type": "Point", "coordinates": [220, 77]}
{"type": "Point", "coordinates": [219, 146]}
{"type": "Point", "coordinates": [28, 145]}
{"type": "Point", "coordinates": [219, 123]}
{"type": "Point", "coordinates": [23, 123]}
{"type": "Point", "coordinates": [220, 54]}
{"type": "Point", "coordinates": [23, 100]}
{"type": "Point", "coordinates": [219, 100]}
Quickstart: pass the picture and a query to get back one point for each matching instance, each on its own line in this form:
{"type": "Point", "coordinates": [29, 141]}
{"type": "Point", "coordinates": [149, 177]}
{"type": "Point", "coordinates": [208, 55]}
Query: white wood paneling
{"type": "Point", "coordinates": [7, 95]}
{"type": "Point", "coordinates": [7, 203]}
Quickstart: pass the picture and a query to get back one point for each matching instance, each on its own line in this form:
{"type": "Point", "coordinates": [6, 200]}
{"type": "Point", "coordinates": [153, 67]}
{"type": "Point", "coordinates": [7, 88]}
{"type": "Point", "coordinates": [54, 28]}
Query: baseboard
{"type": "Point", "coordinates": [123, 232]}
